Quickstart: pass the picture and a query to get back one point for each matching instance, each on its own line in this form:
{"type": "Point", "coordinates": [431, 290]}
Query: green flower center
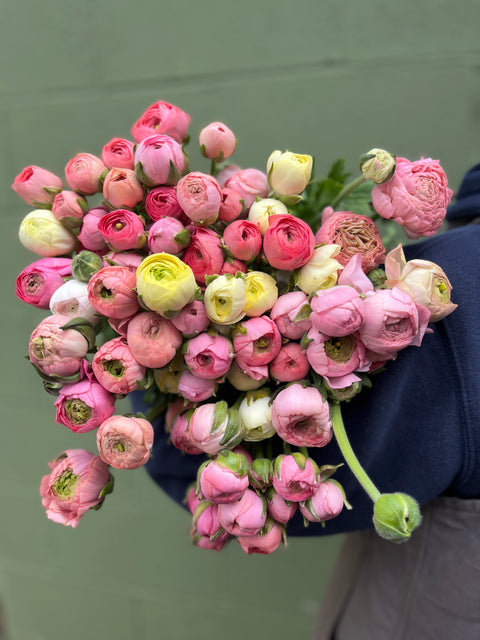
{"type": "Point", "coordinates": [441, 290]}
{"type": "Point", "coordinates": [78, 412]}
{"type": "Point", "coordinates": [340, 349]}
{"type": "Point", "coordinates": [114, 367]}
{"type": "Point", "coordinates": [65, 484]}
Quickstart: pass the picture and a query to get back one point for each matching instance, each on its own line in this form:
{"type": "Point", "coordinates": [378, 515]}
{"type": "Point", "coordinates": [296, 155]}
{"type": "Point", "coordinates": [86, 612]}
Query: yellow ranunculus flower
{"type": "Point", "coordinates": [165, 284]}
{"type": "Point", "coordinates": [289, 173]}
{"type": "Point", "coordinates": [224, 299]}
{"type": "Point", "coordinates": [322, 270]}
{"type": "Point", "coordinates": [261, 293]}
{"type": "Point", "coordinates": [46, 236]}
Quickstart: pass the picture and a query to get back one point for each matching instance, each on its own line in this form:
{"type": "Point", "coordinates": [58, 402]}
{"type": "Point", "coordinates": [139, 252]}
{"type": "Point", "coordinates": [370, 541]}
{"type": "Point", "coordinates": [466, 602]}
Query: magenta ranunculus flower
{"type": "Point", "coordinates": [159, 160]}
{"type": "Point", "coordinates": [224, 479]}
{"type": "Point", "coordinates": [278, 508]}
{"type": "Point", "coordinates": [152, 339]}
{"type": "Point", "coordinates": [55, 351]}
{"type": "Point", "coordinates": [78, 481]}
{"type": "Point", "coordinates": [266, 541]}
{"type": "Point", "coordinates": [204, 254]}
{"type": "Point", "coordinates": [416, 196]}
{"type": "Point", "coordinates": [194, 388]}
{"type": "Point", "coordinates": [69, 207]}
{"type": "Point", "coordinates": [37, 186]}
{"type": "Point", "coordinates": [206, 531]}
{"type": "Point", "coordinates": [84, 173]}
{"type": "Point", "coordinates": [122, 230]}
{"type": "Point", "coordinates": [285, 311]}
{"type": "Point", "coordinates": [232, 206]}
{"type": "Point", "coordinates": [122, 188]}
{"type": "Point", "coordinates": [301, 417]}
{"type": "Point", "coordinates": [192, 319]}
{"type": "Point", "coordinates": [207, 427]}
{"type": "Point", "coordinates": [89, 235]}
{"type": "Point", "coordinates": [208, 356]}
{"type": "Point", "coordinates": [179, 435]}
{"type": "Point", "coordinates": [125, 442]}
{"type": "Point", "coordinates": [249, 183]}
{"type": "Point", "coordinates": [243, 240]}
{"type": "Point", "coordinates": [111, 292]}
{"type": "Point", "coordinates": [295, 477]}
{"type": "Point", "coordinates": [37, 282]}
{"type": "Point", "coordinates": [168, 235]}
{"type": "Point", "coordinates": [161, 202]}
{"type": "Point", "coordinates": [200, 197]}
{"type": "Point", "coordinates": [290, 363]}
{"type": "Point", "coordinates": [337, 311]}
{"type": "Point", "coordinates": [256, 342]}
{"type": "Point", "coordinates": [325, 504]}
{"type": "Point", "coordinates": [115, 367]}
{"type": "Point", "coordinates": [118, 153]}
{"type": "Point", "coordinates": [162, 117]}
{"type": "Point", "coordinates": [217, 141]}
{"type": "Point", "coordinates": [288, 242]}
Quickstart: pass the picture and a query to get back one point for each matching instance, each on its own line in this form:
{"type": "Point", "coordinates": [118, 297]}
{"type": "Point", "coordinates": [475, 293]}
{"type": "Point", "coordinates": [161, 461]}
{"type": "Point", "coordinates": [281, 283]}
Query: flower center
{"type": "Point", "coordinates": [340, 349]}
{"type": "Point", "coordinates": [64, 485]}
{"type": "Point", "coordinates": [114, 367]}
{"type": "Point", "coordinates": [78, 412]}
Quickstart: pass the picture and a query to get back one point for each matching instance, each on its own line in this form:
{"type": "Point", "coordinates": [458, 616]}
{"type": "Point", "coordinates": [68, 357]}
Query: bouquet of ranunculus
{"type": "Point", "coordinates": [246, 304]}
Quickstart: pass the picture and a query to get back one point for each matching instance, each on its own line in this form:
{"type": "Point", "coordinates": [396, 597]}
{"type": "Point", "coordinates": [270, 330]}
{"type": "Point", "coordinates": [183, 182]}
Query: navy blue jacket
{"type": "Point", "coordinates": [418, 429]}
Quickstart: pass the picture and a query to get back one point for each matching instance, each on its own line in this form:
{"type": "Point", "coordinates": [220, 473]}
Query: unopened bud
{"type": "Point", "coordinates": [85, 264]}
{"type": "Point", "coordinates": [395, 516]}
{"type": "Point", "coordinates": [377, 165]}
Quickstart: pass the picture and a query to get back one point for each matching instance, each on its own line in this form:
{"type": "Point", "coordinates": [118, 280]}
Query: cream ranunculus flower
{"type": "Point", "coordinates": [255, 412]}
{"type": "Point", "coordinates": [289, 173]}
{"type": "Point", "coordinates": [224, 299]}
{"type": "Point", "coordinates": [261, 210]}
{"type": "Point", "coordinates": [46, 236]}
{"type": "Point", "coordinates": [322, 270]}
{"type": "Point", "coordinates": [165, 284]}
{"type": "Point", "coordinates": [261, 293]}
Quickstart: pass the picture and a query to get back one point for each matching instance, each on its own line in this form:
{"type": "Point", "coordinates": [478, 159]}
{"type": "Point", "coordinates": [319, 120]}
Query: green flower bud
{"type": "Point", "coordinates": [395, 516]}
{"type": "Point", "coordinates": [377, 277]}
{"type": "Point", "coordinates": [378, 165]}
{"type": "Point", "coordinates": [85, 264]}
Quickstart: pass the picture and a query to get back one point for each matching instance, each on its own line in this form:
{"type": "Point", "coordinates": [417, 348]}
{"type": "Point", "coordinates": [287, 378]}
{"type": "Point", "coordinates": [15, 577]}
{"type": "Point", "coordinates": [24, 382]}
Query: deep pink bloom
{"type": "Point", "coordinates": [217, 141]}
{"type": "Point", "coordinates": [159, 160]}
{"type": "Point", "coordinates": [89, 235]}
{"type": "Point", "coordinates": [337, 311]}
{"type": "Point", "coordinates": [161, 202]}
{"type": "Point", "coordinates": [233, 266]}
{"type": "Point", "coordinates": [232, 205]}
{"type": "Point", "coordinates": [84, 172]}
{"type": "Point", "coordinates": [284, 312]}
{"type": "Point", "coordinates": [179, 435]}
{"type": "Point", "coordinates": [36, 185]}
{"type": "Point", "coordinates": [83, 406]}
{"type": "Point", "coordinates": [194, 388]}
{"type": "Point", "coordinates": [222, 482]}
{"type": "Point", "coordinates": [162, 117]}
{"type": "Point", "coordinates": [200, 197]}
{"type": "Point", "coordinates": [288, 242]}
{"type": "Point", "coordinates": [115, 367]}
{"type": "Point", "coordinates": [208, 356]}
{"type": "Point", "coordinates": [325, 504]}
{"type": "Point", "coordinates": [152, 339]}
{"type": "Point", "coordinates": [265, 542]}
{"type": "Point", "coordinates": [111, 292]}
{"type": "Point", "coordinates": [295, 477]}
{"type": "Point", "coordinates": [122, 230]}
{"type": "Point", "coordinates": [290, 363]}
{"type": "Point", "coordinates": [257, 341]}
{"type": "Point", "coordinates": [122, 188]}
{"type": "Point", "coordinates": [243, 239]}
{"type": "Point", "coordinates": [206, 531]}
{"type": "Point", "coordinates": [37, 282]}
{"type": "Point", "coordinates": [249, 183]}
{"type": "Point", "coordinates": [69, 207]}
{"type": "Point", "coordinates": [125, 443]}
{"type": "Point", "coordinates": [192, 319]}
{"type": "Point", "coordinates": [168, 235]}
{"type": "Point", "coordinates": [118, 153]}
{"type": "Point", "coordinates": [204, 254]}
{"type": "Point", "coordinates": [246, 516]}
{"type": "Point", "coordinates": [74, 486]}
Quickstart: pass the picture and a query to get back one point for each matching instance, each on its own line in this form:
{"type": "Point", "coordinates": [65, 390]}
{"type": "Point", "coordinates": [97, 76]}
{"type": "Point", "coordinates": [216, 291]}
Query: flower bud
{"type": "Point", "coordinates": [217, 141]}
{"type": "Point", "coordinates": [225, 299]}
{"type": "Point", "coordinates": [377, 165]}
{"type": "Point", "coordinates": [289, 173]}
{"type": "Point", "coordinates": [46, 236]}
{"type": "Point", "coordinates": [256, 414]}
{"type": "Point", "coordinates": [261, 210]}
{"type": "Point", "coordinates": [395, 516]}
{"type": "Point", "coordinates": [85, 264]}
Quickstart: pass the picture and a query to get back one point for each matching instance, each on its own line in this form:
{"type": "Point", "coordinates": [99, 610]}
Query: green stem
{"type": "Point", "coordinates": [350, 457]}
{"type": "Point", "coordinates": [347, 190]}
{"type": "Point", "coordinates": [213, 168]}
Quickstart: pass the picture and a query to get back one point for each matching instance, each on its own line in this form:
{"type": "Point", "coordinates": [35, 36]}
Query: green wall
{"type": "Point", "coordinates": [319, 77]}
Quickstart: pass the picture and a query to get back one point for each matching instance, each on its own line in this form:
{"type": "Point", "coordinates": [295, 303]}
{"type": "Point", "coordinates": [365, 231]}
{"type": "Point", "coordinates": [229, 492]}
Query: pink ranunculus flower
{"type": "Point", "coordinates": [194, 388]}
{"type": "Point", "coordinates": [249, 183]}
{"type": "Point", "coordinates": [84, 405]}
{"type": "Point", "coordinates": [416, 196]}
{"type": "Point", "coordinates": [200, 197]}
{"type": "Point", "coordinates": [175, 408]}
{"type": "Point", "coordinates": [69, 207]}
{"type": "Point", "coordinates": [161, 202]}
{"type": "Point", "coordinates": [243, 240]}
{"type": "Point", "coordinates": [192, 319]}
{"type": "Point", "coordinates": [162, 118]}
{"type": "Point", "coordinates": [227, 172]}
{"type": "Point", "coordinates": [168, 235]}
{"type": "Point", "coordinates": [246, 378]}
{"type": "Point", "coordinates": [206, 531]}
{"type": "Point", "coordinates": [337, 311]}
{"type": "Point", "coordinates": [266, 541]}
{"type": "Point", "coordinates": [129, 259]}
{"type": "Point", "coordinates": [84, 173]}
{"type": "Point", "coordinates": [208, 356]}
{"type": "Point", "coordinates": [111, 292]}
{"type": "Point", "coordinates": [207, 427]}
{"type": "Point", "coordinates": [224, 479]}
{"type": "Point", "coordinates": [285, 311]}
{"type": "Point", "coordinates": [233, 267]}
{"type": "Point", "coordinates": [37, 186]}
{"type": "Point", "coordinates": [290, 364]}
{"type": "Point", "coordinates": [89, 235]}
{"type": "Point", "coordinates": [36, 284]}
{"type": "Point", "coordinates": [55, 351]}
{"type": "Point", "coordinates": [179, 435]}
{"type": "Point", "coordinates": [278, 508]}
{"type": "Point", "coordinates": [115, 367]}
{"type": "Point", "coordinates": [246, 516]}
{"type": "Point", "coordinates": [301, 417]}
{"type": "Point", "coordinates": [295, 477]}
{"type": "Point", "coordinates": [78, 481]}
{"type": "Point", "coordinates": [204, 254]}
{"type": "Point", "coordinates": [159, 160]}
{"type": "Point", "coordinates": [122, 188]}
{"type": "Point", "coordinates": [217, 141]}
{"type": "Point", "coordinates": [152, 339]}
{"type": "Point", "coordinates": [118, 153]}
{"type": "Point", "coordinates": [232, 205]}
{"type": "Point", "coordinates": [354, 234]}
{"type": "Point", "coordinates": [125, 442]}
{"type": "Point", "coordinates": [257, 341]}
{"type": "Point", "coordinates": [122, 230]}
{"type": "Point", "coordinates": [393, 321]}
{"type": "Point", "coordinates": [325, 504]}
{"type": "Point", "coordinates": [288, 242]}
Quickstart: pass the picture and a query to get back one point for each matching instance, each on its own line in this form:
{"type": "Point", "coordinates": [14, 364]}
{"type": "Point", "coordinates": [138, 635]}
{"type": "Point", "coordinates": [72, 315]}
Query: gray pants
{"type": "Point", "coordinates": [425, 589]}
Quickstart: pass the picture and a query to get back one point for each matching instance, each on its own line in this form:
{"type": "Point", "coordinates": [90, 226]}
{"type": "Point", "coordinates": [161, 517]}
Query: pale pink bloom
{"type": "Point", "coordinates": [243, 240]}
{"type": "Point", "coordinates": [246, 516]}
{"type": "Point", "coordinates": [162, 117]}
{"type": "Point", "coordinates": [337, 311]}
{"type": "Point", "coordinates": [217, 141]}
{"type": "Point", "coordinates": [301, 417]}
{"type": "Point", "coordinates": [257, 342]}
{"type": "Point", "coordinates": [115, 367]}
{"type": "Point", "coordinates": [325, 504]}
{"type": "Point", "coordinates": [120, 325]}
{"type": "Point", "coordinates": [354, 234]}
{"type": "Point", "coordinates": [200, 197]}
{"type": "Point", "coordinates": [222, 482]}
{"type": "Point", "coordinates": [204, 254]}
{"type": "Point", "coordinates": [278, 508]}
{"type": "Point", "coordinates": [118, 153]}
{"type": "Point", "coordinates": [179, 435]}
{"type": "Point", "coordinates": [161, 202]}
{"type": "Point", "coordinates": [169, 235]}
{"type": "Point", "coordinates": [122, 189]}
{"type": "Point", "coordinates": [353, 275]}
{"type": "Point", "coordinates": [416, 196]}
{"type": "Point", "coordinates": [36, 284]}
{"type": "Point", "coordinates": [232, 205]}
{"type": "Point", "coordinates": [129, 259]}
{"type": "Point", "coordinates": [194, 388]}
{"type": "Point", "coordinates": [159, 160]}
{"type": "Point", "coordinates": [284, 312]}
{"type": "Point", "coordinates": [122, 230]}
{"type": "Point", "coordinates": [207, 427]}
{"type": "Point", "coordinates": [55, 351]}
{"type": "Point", "coordinates": [69, 207]}
{"type": "Point", "coordinates": [288, 242]}
{"type": "Point", "coordinates": [111, 292]}
{"type": "Point", "coordinates": [295, 477]}
{"type": "Point", "coordinates": [83, 406]}
{"type": "Point", "coordinates": [192, 319]}
{"type": "Point", "coordinates": [84, 173]}
{"type": "Point", "coordinates": [208, 356]}
{"type": "Point", "coordinates": [206, 531]}
{"type": "Point", "coordinates": [265, 542]}
{"type": "Point", "coordinates": [290, 363]}
{"type": "Point", "coordinates": [152, 339]}
{"type": "Point", "coordinates": [89, 235]}
{"type": "Point", "coordinates": [75, 485]}
{"type": "Point", "coordinates": [249, 183]}
{"type": "Point", "coordinates": [125, 443]}
{"type": "Point", "coordinates": [227, 172]}
{"type": "Point", "coordinates": [36, 185]}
